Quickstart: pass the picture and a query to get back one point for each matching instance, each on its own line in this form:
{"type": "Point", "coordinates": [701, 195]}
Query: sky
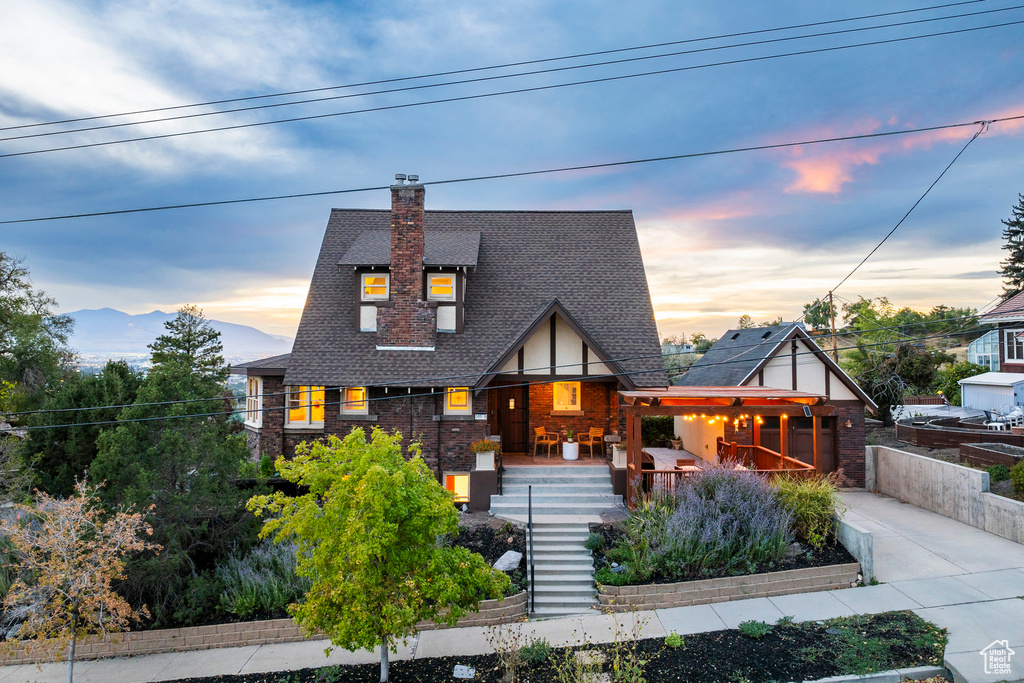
{"type": "Point", "coordinates": [758, 233]}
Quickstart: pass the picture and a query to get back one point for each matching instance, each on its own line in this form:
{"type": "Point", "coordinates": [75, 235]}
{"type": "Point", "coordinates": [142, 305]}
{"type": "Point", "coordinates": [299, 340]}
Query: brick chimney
{"type": "Point", "coordinates": [407, 322]}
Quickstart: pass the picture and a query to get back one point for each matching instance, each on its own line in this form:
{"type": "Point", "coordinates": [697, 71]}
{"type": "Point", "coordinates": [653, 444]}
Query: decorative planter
{"type": "Point", "coordinates": [570, 450]}
{"type": "Point", "coordinates": [619, 456]}
{"type": "Point", "coordinates": [485, 460]}
{"type": "Point", "coordinates": [677, 444]}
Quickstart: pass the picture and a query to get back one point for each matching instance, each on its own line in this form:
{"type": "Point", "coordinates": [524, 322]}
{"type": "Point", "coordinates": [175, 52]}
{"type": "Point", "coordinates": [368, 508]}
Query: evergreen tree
{"type": "Point", "coordinates": [192, 342]}
{"type": "Point", "coordinates": [1012, 268]}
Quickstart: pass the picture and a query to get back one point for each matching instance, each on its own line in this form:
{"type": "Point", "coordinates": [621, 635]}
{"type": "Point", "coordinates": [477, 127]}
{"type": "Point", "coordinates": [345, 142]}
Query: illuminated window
{"type": "Point", "coordinates": [355, 402]}
{"type": "Point", "coordinates": [375, 286]}
{"type": "Point", "coordinates": [458, 484]}
{"type": "Point", "coordinates": [567, 396]}
{"type": "Point", "coordinates": [441, 287]}
{"type": "Point", "coordinates": [254, 401]}
{"type": "Point", "coordinates": [305, 406]}
{"type": "Point", "coordinates": [457, 401]}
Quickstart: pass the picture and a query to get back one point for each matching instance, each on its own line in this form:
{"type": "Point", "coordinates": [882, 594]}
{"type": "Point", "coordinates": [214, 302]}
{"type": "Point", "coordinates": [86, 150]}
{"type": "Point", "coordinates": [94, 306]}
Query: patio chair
{"type": "Point", "coordinates": [543, 437]}
{"type": "Point", "coordinates": [595, 436]}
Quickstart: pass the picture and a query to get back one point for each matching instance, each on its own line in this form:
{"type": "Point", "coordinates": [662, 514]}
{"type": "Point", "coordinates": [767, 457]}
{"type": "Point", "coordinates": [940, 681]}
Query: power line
{"type": "Point", "coordinates": [492, 67]}
{"type": "Point", "coordinates": [567, 378]}
{"type": "Point", "coordinates": [539, 88]}
{"type": "Point", "coordinates": [516, 174]}
{"type": "Point", "coordinates": [483, 79]}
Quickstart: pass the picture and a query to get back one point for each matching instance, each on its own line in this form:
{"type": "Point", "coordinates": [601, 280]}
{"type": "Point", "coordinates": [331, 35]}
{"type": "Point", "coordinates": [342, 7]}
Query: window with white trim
{"type": "Point", "coordinates": [254, 401]}
{"type": "Point", "coordinates": [354, 401]}
{"type": "Point", "coordinates": [441, 287]}
{"type": "Point", "coordinates": [458, 483]}
{"type": "Point", "coordinates": [567, 396]}
{"type": "Point", "coordinates": [1014, 345]}
{"type": "Point", "coordinates": [374, 286]}
{"type": "Point", "coordinates": [458, 401]}
{"type": "Point", "coordinates": [305, 407]}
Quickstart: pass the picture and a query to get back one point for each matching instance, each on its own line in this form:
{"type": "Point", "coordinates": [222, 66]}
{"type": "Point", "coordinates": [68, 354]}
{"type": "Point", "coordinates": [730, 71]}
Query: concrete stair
{"type": "Point", "coordinates": [581, 491]}
{"type": "Point", "coordinates": [564, 569]}
{"type": "Point", "coordinates": [565, 499]}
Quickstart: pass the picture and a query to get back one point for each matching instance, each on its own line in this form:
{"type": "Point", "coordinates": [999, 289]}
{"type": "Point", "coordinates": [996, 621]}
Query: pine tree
{"type": "Point", "coordinates": [1012, 268]}
{"type": "Point", "coordinates": [193, 343]}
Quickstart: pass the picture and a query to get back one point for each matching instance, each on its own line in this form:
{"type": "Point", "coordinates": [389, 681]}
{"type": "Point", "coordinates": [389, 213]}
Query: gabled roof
{"type": "Point", "coordinates": [589, 260]}
{"type": "Point", "coordinates": [440, 248]}
{"type": "Point", "coordinates": [1010, 311]}
{"type": "Point", "coordinates": [552, 309]}
{"type": "Point", "coordinates": [740, 354]}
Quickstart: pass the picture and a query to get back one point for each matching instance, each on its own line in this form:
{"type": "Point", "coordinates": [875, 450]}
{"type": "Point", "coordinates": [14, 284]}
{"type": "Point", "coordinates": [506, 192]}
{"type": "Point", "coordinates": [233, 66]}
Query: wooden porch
{"type": "Point", "coordinates": [715, 404]}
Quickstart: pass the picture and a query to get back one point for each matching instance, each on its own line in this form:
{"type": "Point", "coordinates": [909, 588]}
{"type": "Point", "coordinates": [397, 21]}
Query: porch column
{"type": "Point", "coordinates": [757, 432]}
{"type": "Point", "coordinates": [816, 423]}
{"type": "Point", "coordinates": [783, 433]}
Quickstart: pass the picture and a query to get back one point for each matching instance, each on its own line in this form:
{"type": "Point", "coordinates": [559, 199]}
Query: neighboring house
{"type": "Point", "coordinates": [985, 350]}
{"type": "Point", "coordinates": [782, 357]}
{"type": "Point", "coordinates": [1009, 316]}
{"type": "Point", "coordinates": [453, 325]}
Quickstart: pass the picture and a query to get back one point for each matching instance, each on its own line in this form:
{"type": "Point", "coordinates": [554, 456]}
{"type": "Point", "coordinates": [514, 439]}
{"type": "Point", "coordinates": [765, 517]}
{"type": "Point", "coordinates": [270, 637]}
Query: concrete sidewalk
{"type": "Point", "coordinates": [954, 575]}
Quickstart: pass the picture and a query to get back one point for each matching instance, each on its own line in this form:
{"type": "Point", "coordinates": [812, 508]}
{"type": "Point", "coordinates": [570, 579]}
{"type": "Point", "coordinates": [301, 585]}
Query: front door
{"type": "Point", "coordinates": [511, 416]}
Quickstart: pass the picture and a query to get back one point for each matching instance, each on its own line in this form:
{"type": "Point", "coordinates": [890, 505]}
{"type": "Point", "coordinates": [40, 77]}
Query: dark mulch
{"type": "Point", "coordinates": [801, 556]}
{"type": "Point", "coordinates": [801, 652]}
{"type": "Point", "coordinates": [493, 543]}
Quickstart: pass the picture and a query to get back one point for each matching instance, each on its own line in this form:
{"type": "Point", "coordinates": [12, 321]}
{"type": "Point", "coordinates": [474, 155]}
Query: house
{"type": "Point", "coordinates": [1009, 317]}
{"type": "Point", "coordinates": [454, 325]}
{"type": "Point", "coordinates": [781, 357]}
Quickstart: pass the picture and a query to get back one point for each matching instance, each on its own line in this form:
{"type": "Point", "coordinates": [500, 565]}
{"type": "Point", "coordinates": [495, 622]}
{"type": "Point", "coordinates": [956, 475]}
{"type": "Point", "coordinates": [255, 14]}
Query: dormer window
{"type": "Point", "coordinates": [441, 287]}
{"type": "Point", "coordinates": [375, 286]}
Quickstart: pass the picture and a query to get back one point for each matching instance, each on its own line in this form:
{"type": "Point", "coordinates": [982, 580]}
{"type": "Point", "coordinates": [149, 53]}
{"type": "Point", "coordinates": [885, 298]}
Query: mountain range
{"type": "Point", "coordinates": [108, 333]}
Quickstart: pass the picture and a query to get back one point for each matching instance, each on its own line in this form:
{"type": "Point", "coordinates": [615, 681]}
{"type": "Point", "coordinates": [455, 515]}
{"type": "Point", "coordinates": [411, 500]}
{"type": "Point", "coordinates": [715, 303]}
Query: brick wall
{"type": "Point", "coordinates": [599, 401]}
{"type": "Point", "coordinates": [239, 634]}
{"type": "Point", "coordinates": [850, 447]}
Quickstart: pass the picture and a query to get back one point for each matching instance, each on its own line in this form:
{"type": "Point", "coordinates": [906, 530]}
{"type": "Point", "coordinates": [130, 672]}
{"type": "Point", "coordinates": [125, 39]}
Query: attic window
{"type": "Point", "coordinates": [375, 287]}
{"type": "Point", "coordinates": [735, 336]}
{"type": "Point", "coordinates": [441, 287]}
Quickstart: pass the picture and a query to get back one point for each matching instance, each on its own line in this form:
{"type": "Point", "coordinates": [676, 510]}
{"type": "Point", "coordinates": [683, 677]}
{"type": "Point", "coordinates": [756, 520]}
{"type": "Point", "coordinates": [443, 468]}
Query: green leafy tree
{"type": "Point", "coordinates": [61, 455]}
{"type": "Point", "coordinates": [185, 468]}
{"type": "Point", "coordinates": [818, 314]}
{"type": "Point", "coordinates": [890, 372]}
{"type": "Point", "coordinates": [771, 323]}
{"type": "Point", "coordinates": [33, 338]}
{"type": "Point", "coordinates": [193, 342]}
{"type": "Point", "coordinates": [1012, 269]}
{"type": "Point", "coordinates": [367, 532]}
{"type": "Point", "coordinates": [745, 322]}
{"type": "Point", "coordinates": [701, 342]}
{"type": "Point", "coordinates": [948, 380]}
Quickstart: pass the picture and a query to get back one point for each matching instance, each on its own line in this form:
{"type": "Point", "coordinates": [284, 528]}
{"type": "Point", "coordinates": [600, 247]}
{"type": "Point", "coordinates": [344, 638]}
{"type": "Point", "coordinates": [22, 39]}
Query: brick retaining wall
{"type": "Point", "coordinates": [241, 634]}
{"type": "Point", "coordinates": [659, 596]}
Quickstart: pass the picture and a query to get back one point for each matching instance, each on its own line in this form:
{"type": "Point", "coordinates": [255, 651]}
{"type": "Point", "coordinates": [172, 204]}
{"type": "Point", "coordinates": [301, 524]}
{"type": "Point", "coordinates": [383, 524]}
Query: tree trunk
{"type": "Point", "coordinates": [71, 658]}
{"type": "Point", "coordinates": [383, 661]}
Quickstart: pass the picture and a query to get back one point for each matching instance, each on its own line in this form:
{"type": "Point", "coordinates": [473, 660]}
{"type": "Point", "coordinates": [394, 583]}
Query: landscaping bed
{"type": "Point", "coordinates": [798, 556]}
{"type": "Point", "coordinates": [786, 652]}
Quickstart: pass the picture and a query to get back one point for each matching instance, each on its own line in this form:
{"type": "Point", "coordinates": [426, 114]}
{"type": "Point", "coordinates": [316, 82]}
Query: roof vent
{"type": "Point", "coordinates": [735, 336]}
{"type": "Point", "coordinates": [766, 334]}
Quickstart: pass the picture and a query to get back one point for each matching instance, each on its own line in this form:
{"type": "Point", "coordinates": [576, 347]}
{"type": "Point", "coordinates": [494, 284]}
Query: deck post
{"type": "Point", "coordinates": [816, 424]}
{"type": "Point", "coordinates": [783, 433]}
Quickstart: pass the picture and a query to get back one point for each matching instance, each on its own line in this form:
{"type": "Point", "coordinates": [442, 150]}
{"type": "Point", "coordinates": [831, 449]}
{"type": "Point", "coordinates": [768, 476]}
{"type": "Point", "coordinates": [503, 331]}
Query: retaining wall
{"type": "Point", "coordinates": [951, 490]}
{"type": "Point", "coordinates": [861, 544]}
{"type": "Point", "coordinates": [977, 454]}
{"type": "Point", "coordinates": [239, 634]}
{"type": "Point", "coordinates": [657, 596]}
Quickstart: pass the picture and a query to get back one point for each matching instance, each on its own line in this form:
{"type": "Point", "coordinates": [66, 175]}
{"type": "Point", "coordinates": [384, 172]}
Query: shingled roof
{"type": "Point", "coordinates": [734, 356]}
{"type": "Point", "coordinates": [589, 261]}
{"type": "Point", "coordinates": [1009, 311]}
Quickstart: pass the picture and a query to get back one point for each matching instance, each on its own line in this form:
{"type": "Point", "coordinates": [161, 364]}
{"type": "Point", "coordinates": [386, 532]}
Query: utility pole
{"type": "Point", "coordinates": [832, 319]}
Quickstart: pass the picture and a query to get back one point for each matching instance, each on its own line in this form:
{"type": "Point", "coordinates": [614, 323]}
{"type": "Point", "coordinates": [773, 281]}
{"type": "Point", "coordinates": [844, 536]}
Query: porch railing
{"type": "Point", "coordinates": [762, 459]}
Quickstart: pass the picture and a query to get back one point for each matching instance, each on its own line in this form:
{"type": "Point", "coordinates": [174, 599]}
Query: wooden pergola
{"type": "Point", "coordinates": [750, 403]}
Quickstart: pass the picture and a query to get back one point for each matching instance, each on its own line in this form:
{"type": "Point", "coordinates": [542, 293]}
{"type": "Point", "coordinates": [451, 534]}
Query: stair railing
{"type": "Point", "coordinates": [529, 528]}
{"type": "Point", "coordinates": [501, 472]}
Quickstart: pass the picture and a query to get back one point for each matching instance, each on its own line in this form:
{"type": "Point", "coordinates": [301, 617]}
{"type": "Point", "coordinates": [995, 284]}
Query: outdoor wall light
{"type": "Point", "coordinates": [848, 423]}
{"type": "Point", "coordinates": [511, 404]}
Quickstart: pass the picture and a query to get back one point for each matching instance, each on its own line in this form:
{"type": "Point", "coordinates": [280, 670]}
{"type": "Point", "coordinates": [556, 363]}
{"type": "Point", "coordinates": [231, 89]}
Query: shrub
{"type": "Point", "coordinates": [997, 473]}
{"type": "Point", "coordinates": [755, 629]}
{"type": "Point", "coordinates": [1017, 477]}
{"type": "Point", "coordinates": [812, 503]}
{"type": "Point", "coordinates": [657, 430]}
{"type": "Point", "coordinates": [537, 651]}
{"type": "Point", "coordinates": [674, 640]}
{"type": "Point", "coordinates": [720, 521]}
{"type": "Point", "coordinates": [596, 541]}
{"type": "Point", "coordinates": [262, 582]}
{"type": "Point", "coordinates": [607, 577]}
{"type": "Point", "coordinates": [266, 468]}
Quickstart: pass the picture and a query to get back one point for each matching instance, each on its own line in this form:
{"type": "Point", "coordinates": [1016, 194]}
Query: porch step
{"type": "Point", "coordinates": [546, 489]}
